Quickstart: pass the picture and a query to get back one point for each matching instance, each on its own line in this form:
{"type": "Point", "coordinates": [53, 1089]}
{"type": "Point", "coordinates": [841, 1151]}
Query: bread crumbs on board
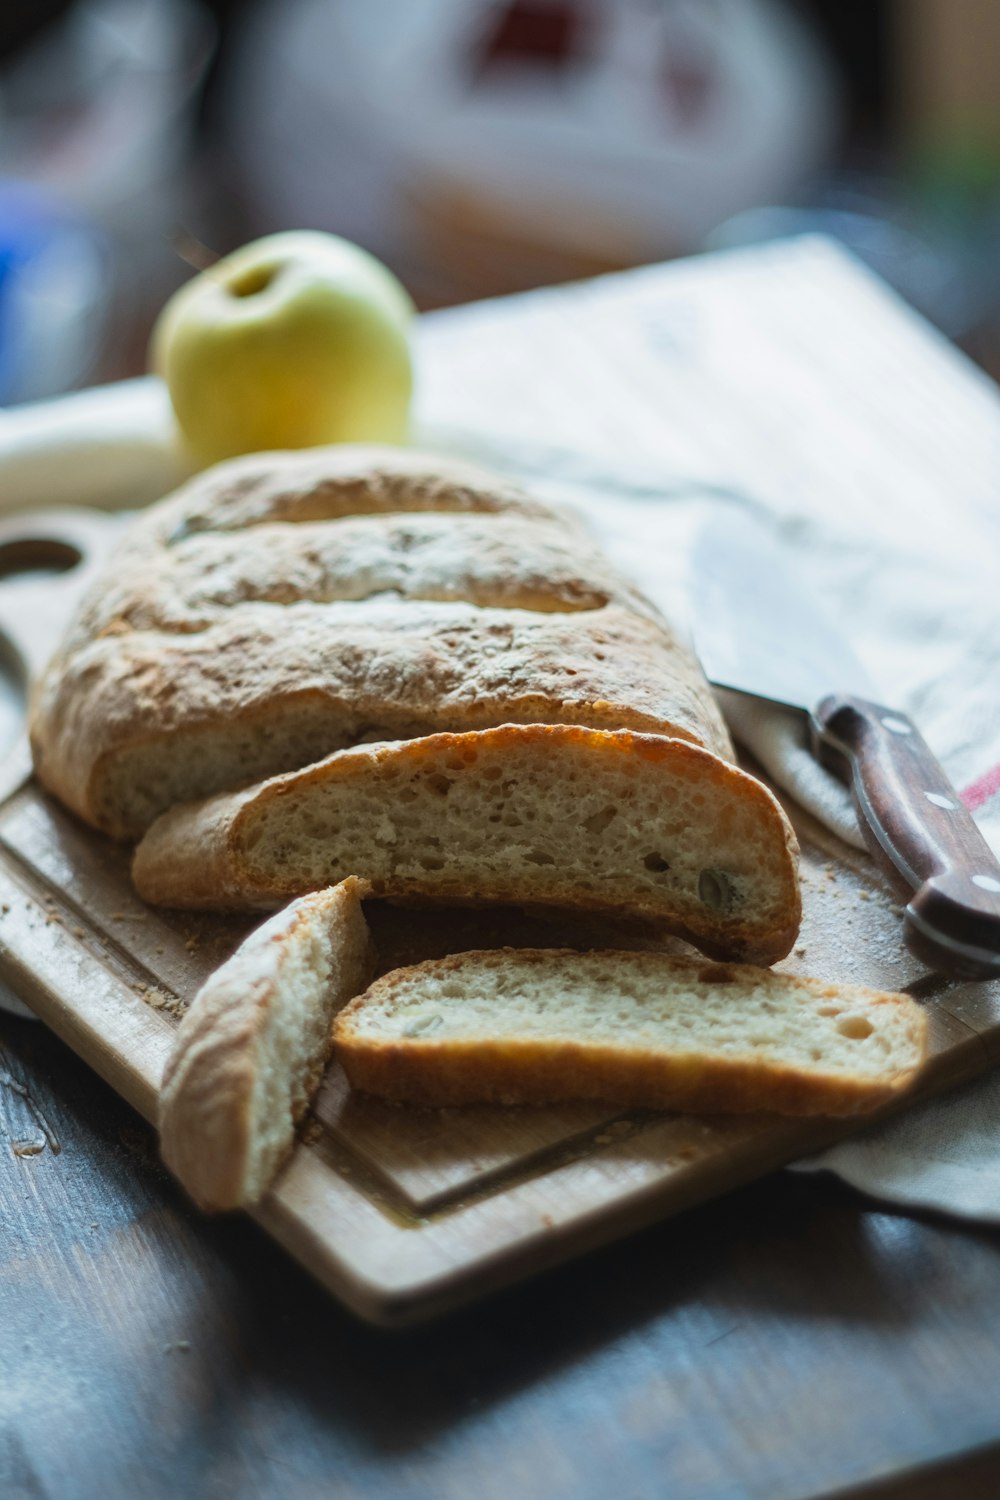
{"type": "Point", "coordinates": [162, 1000]}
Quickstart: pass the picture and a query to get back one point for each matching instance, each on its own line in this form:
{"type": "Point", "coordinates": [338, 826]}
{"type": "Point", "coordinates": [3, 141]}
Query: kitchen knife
{"type": "Point", "coordinates": [759, 630]}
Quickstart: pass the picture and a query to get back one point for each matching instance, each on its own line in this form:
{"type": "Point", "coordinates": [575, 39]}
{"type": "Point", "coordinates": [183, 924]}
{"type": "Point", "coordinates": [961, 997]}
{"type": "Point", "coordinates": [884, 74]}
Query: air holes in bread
{"type": "Point", "coordinates": [857, 1028]}
{"type": "Point", "coordinates": [422, 1024]}
{"type": "Point", "coordinates": [598, 821]}
{"type": "Point", "coordinates": [715, 890]}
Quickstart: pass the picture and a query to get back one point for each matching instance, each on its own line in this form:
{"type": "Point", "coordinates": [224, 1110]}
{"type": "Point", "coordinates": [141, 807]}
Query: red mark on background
{"type": "Point", "coordinates": [980, 791]}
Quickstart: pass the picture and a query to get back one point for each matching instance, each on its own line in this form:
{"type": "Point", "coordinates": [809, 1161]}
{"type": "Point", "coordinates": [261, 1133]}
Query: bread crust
{"type": "Point", "coordinates": [202, 855]}
{"type": "Point", "coordinates": [522, 1070]}
{"type": "Point", "coordinates": [206, 1111]}
{"type": "Point", "coordinates": [283, 606]}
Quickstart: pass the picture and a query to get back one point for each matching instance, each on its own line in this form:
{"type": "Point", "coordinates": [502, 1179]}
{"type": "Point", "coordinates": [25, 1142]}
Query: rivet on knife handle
{"type": "Point", "coordinates": [912, 817]}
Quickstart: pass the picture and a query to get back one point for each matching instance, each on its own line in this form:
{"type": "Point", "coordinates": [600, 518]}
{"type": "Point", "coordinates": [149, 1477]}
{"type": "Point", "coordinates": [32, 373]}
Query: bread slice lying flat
{"type": "Point", "coordinates": [536, 1026]}
{"type": "Point", "coordinates": [540, 814]}
{"type": "Point", "coordinates": [251, 1049]}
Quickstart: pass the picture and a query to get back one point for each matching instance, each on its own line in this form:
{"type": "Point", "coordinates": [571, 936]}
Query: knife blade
{"type": "Point", "coordinates": [760, 630]}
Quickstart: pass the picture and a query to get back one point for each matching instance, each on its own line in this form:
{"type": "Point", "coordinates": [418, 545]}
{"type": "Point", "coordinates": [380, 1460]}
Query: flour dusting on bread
{"type": "Point", "coordinates": [283, 606]}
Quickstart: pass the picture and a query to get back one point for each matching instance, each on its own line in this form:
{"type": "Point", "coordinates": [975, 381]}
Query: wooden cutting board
{"type": "Point", "coordinates": [401, 1212]}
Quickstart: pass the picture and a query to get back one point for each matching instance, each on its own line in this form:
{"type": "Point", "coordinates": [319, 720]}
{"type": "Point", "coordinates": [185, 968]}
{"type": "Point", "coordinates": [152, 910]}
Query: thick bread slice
{"type": "Point", "coordinates": [538, 814]}
{"type": "Point", "coordinates": [251, 1049]}
{"type": "Point", "coordinates": [284, 606]}
{"type": "Point", "coordinates": [536, 1026]}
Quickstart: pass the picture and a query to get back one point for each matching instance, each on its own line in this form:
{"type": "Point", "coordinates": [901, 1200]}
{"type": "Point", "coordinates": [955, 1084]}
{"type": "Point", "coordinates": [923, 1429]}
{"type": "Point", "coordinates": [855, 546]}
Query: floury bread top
{"type": "Point", "coordinates": [417, 651]}
{"type": "Point", "coordinates": [283, 606]}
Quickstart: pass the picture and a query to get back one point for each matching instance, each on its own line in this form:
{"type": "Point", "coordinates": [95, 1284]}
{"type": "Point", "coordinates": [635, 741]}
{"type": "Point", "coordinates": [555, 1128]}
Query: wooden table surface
{"type": "Point", "coordinates": [789, 1340]}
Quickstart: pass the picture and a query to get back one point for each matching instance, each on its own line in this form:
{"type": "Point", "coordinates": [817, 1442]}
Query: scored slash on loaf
{"type": "Point", "coordinates": [283, 606]}
{"type": "Point", "coordinates": [360, 661]}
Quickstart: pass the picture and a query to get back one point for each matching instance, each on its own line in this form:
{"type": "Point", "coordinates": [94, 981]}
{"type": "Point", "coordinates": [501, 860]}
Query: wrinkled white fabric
{"type": "Point", "coordinates": [943, 1155]}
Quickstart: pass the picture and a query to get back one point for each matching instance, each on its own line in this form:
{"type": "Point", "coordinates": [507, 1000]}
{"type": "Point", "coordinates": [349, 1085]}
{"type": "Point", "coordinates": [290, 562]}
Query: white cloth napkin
{"type": "Point", "coordinates": [943, 1155]}
{"type": "Point", "coordinates": [785, 379]}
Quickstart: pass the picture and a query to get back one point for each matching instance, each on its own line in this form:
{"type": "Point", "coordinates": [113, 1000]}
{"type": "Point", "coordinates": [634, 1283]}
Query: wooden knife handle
{"type": "Point", "coordinates": [914, 820]}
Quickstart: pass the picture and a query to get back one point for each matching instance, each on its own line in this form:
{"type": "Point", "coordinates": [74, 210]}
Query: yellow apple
{"type": "Point", "coordinates": [296, 339]}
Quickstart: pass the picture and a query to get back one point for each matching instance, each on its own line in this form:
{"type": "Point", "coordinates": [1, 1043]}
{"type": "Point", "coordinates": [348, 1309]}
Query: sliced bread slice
{"type": "Point", "coordinates": [537, 1026]}
{"type": "Point", "coordinates": [547, 815]}
{"type": "Point", "coordinates": [251, 1049]}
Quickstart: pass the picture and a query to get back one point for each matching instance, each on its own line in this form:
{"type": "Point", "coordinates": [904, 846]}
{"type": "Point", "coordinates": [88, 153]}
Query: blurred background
{"type": "Point", "coordinates": [481, 147]}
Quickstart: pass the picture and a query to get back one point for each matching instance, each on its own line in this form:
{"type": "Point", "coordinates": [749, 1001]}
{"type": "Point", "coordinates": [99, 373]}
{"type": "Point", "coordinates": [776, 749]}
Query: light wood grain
{"type": "Point", "coordinates": [405, 1212]}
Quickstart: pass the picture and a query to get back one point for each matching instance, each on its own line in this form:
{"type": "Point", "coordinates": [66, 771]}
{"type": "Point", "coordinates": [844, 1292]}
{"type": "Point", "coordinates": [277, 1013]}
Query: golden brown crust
{"type": "Point", "coordinates": [522, 1070]}
{"type": "Point", "coordinates": [206, 1118]}
{"type": "Point", "coordinates": [282, 606]}
{"type": "Point", "coordinates": [394, 670]}
{"type": "Point", "coordinates": [203, 855]}
{"type": "Point", "coordinates": [347, 479]}
{"type": "Point", "coordinates": [513, 1072]}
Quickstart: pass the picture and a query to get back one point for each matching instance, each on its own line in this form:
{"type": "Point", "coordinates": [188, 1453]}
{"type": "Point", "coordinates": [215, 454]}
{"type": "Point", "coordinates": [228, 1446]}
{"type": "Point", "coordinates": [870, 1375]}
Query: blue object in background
{"type": "Point", "coordinates": [55, 286]}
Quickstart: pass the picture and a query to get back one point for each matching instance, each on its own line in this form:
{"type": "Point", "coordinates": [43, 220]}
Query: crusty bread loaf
{"type": "Point", "coordinates": [536, 1026]}
{"type": "Point", "coordinates": [251, 1049]}
{"type": "Point", "coordinates": [283, 606]}
{"type": "Point", "coordinates": [544, 814]}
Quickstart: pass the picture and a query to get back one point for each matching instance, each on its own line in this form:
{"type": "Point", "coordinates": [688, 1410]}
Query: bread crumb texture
{"type": "Point", "coordinates": [550, 815]}
{"type": "Point", "coordinates": [639, 1029]}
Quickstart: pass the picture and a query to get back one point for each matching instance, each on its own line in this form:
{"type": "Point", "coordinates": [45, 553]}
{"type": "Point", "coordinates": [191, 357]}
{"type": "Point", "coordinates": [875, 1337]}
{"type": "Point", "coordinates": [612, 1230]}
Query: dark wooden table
{"type": "Point", "coordinates": [790, 1340]}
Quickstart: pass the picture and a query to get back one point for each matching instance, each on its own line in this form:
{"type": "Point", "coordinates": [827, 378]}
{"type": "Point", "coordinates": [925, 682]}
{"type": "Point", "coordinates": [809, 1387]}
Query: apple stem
{"type": "Point", "coordinates": [188, 248]}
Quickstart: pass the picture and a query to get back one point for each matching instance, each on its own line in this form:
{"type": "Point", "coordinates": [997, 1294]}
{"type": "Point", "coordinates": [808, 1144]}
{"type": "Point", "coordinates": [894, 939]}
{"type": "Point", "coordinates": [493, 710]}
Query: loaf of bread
{"type": "Point", "coordinates": [635, 1029]}
{"type": "Point", "coordinates": [251, 1048]}
{"type": "Point", "coordinates": [545, 815]}
{"type": "Point", "coordinates": [284, 606]}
